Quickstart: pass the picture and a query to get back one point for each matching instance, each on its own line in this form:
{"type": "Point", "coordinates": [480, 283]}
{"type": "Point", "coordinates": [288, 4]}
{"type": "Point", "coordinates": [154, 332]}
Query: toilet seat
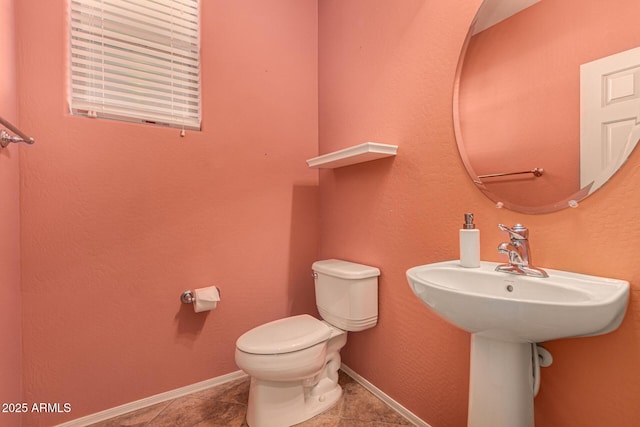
{"type": "Point", "coordinates": [284, 335]}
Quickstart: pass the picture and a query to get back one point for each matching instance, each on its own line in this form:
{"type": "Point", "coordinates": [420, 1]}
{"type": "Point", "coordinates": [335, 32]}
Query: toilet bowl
{"type": "Point", "coordinates": [292, 382]}
{"type": "Point", "coordinates": [293, 362]}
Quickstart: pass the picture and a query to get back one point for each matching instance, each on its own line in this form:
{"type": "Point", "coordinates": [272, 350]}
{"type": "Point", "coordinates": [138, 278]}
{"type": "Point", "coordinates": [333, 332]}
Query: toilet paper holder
{"type": "Point", "coordinates": [187, 296]}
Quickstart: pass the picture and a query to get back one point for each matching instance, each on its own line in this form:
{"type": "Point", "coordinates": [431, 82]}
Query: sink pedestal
{"type": "Point", "coordinates": [501, 383]}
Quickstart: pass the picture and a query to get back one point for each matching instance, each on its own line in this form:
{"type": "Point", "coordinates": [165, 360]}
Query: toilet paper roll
{"type": "Point", "coordinates": [205, 299]}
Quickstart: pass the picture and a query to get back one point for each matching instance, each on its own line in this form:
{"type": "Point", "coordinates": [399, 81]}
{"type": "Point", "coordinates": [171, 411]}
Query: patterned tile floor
{"type": "Point", "coordinates": [226, 406]}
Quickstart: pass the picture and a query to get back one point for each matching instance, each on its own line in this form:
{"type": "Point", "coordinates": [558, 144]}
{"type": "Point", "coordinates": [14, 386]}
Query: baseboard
{"type": "Point", "coordinates": [203, 385]}
{"type": "Point", "coordinates": [410, 416]}
{"type": "Point", "coordinates": [152, 400]}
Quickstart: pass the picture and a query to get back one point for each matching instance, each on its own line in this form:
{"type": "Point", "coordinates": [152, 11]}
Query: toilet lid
{"type": "Point", "coordinates": [284, 335]}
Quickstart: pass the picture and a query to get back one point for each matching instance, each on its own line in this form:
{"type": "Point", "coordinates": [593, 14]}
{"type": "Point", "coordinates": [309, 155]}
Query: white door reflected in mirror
{"type": "Point", "coordinates": [609, 115]}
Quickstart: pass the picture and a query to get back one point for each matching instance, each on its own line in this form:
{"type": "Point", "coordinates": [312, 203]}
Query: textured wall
{"type": "Point", "coordinates": [386, 75]}
{"type": "Point", "coordinates": [10, 318]}
{"type": "Point", "coordinates": [119, 219]}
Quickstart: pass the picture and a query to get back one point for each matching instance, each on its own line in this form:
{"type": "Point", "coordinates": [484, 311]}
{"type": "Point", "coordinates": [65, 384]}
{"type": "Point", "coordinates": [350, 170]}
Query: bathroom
{"type": "Point", "coordinates": [104, 224]}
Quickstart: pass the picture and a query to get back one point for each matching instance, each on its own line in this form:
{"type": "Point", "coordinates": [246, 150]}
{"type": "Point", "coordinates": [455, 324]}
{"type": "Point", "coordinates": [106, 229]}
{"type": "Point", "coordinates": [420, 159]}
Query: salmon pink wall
{"type": "Point", "coordinates": [386, 75]}
{"type": "Point", "coordinates": [10, 317]}
{"type": "Point", "coordinates": [119, 219]}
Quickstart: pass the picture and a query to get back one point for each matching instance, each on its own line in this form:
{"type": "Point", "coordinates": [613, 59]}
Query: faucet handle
{"type": "Point", "coordinates": [518, 232]}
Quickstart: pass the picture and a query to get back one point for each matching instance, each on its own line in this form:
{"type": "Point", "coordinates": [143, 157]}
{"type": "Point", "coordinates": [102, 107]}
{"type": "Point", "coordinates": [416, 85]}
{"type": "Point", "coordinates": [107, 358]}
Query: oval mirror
{"type": "Point", "coordinates": [547, 99]}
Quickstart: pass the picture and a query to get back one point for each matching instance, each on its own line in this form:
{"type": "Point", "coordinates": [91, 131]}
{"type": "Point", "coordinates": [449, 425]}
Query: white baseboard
{"type": "Point", "coordinates": [203, 385]}
{"type": "Point", "coordinates": [152, 400]}
{"type": "Point", "coordinates": [410, 416]}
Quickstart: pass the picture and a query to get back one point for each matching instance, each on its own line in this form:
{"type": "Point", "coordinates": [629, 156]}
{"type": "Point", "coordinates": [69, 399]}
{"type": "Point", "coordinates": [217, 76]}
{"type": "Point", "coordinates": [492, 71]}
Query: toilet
{"type": "Point", "coordinates": [293, 362]}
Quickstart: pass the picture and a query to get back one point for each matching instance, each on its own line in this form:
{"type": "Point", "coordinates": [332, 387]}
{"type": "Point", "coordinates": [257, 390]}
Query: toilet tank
{"type": "Point", "coordinates": [347, 293]}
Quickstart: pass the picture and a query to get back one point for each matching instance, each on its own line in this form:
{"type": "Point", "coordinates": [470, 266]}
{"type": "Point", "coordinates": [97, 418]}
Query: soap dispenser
{"type": "Point", "coordinates": [469, 243]}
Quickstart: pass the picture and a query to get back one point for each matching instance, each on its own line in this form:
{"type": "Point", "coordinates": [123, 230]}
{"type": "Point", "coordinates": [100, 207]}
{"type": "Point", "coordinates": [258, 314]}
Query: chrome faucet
{"type": "Point", "coordinates": [517, 248]}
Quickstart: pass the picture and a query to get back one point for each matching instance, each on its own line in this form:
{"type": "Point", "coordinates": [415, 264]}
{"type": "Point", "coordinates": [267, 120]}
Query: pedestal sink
{"type": "Point", "coordinates": [505, 313]}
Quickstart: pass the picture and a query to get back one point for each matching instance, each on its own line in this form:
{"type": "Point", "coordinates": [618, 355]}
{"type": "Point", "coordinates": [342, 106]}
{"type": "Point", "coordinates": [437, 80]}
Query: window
{"type": "Point", "coordinates": [136, 61]}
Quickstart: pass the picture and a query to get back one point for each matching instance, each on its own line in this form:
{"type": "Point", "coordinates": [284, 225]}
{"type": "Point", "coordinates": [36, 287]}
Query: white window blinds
{"type": "Point", "coordinates": [136, 60]}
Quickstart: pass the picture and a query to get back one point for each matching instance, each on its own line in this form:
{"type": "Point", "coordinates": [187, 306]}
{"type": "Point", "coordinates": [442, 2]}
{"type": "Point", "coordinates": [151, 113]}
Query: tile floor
{"type": "Point", "coordinates": [226, 405]}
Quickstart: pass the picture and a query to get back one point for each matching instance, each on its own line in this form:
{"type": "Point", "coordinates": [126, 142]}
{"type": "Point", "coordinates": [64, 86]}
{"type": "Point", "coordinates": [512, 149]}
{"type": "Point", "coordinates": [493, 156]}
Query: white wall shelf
{"type": "Point", "coordinates": [352, 155]}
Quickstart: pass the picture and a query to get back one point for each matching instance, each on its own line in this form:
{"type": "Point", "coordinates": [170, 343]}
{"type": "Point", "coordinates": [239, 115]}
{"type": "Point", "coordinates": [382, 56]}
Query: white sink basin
{"type": "Point", "coordinates": [517, 308]}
